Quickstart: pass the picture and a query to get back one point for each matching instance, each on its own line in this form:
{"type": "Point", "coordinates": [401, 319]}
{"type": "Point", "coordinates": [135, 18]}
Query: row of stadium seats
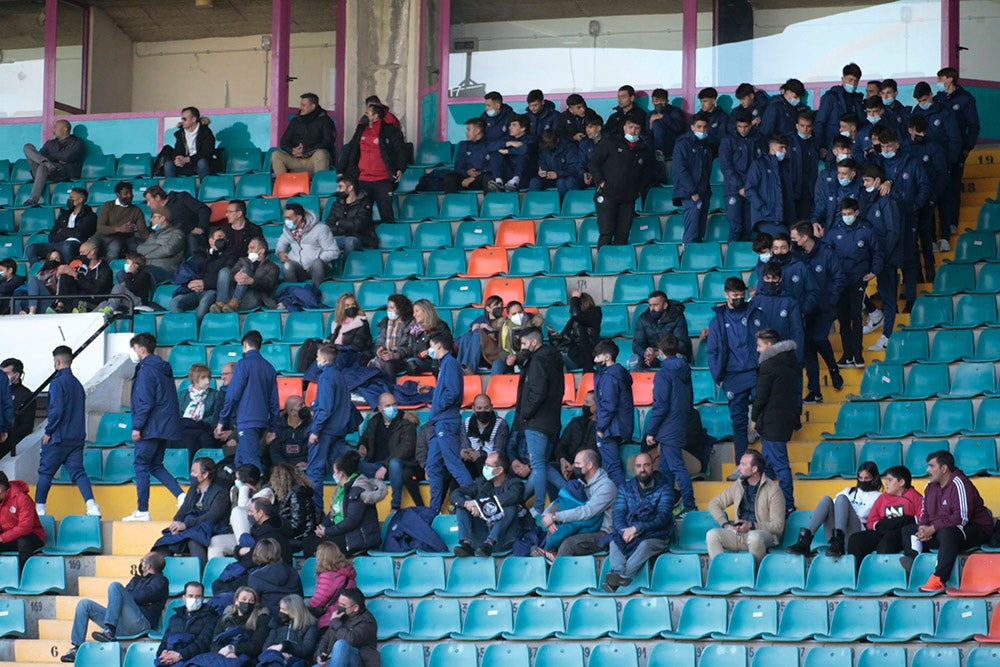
{"type": "Point", "coordinates": [957, 379]}
{"type": "Point", "coordinates": [975, 456]}
{"type": "Point", "coordinates": [905, 418]}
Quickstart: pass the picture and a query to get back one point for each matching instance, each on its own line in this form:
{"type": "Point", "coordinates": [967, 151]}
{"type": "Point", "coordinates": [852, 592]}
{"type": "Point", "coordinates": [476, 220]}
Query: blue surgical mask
{"type": "Point", "coordinates": [632, 138]}
{"type": "Point", "coordinates": [841, 157]}
{"type": "Point", "coordinates": [289, 225]}
{"type": "Point", "coordinates": [794, 101]}
{"type": "Point", "coordinates": [874, 119]}
{"type": "Point", "coordinates": [844, 181]}
{"type": "Point", "coordinates": [849, 219]}
{"type": "Point", "coordinates": [924, 105]}
{"type": "Point", "coordinates": [888, 101]}
{"type": "Point", "coordinates": [888, 155]}
{"type": "Point", "coordinates": [845, 133]}
{"type": "Point", "coordinates": [492, 112]}
{"type": "Point", "coordinates": [701, 135]}
{"type": "Point", "coordinates": [238, 484]}
{"type": "Point", "coordinates": [489, 472]}
{"type": "Point", "coordinates": [870, 188]}
{"type": "Point", "coordinates": [939, 86]}
{"type": "Point", "coordinates": [432, 353]}
{"type": "Point", "coordinates": [780, 155]}
{"type": "Point", "coordinates": [850, 88]}
{"type": "Point", "coordinates": [765, 257]}
{"type": "Point", "coordinates": [390, 412]}
{"type": "Point", "coordinates": [155, 228]}
{"type": "Point", "coordinates": [803, 136]}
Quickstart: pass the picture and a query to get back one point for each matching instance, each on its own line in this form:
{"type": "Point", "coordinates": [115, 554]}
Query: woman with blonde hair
{"type": "Point", "coordinates": [243, 626]}
{"type": "Point", "coordinates": [426, 323]}
{"type": "Point", "coordinates": [350, 332]}
{"type": "Point", "coordinates": [293, 495]}
{"type": "Point", "coordinates": [334, 572]}
{"type": "Point", "coordinates": [293, 636]}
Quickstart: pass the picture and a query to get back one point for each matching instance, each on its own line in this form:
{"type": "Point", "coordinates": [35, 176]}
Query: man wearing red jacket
{"type": "Point", "coordinates": [20, 528]}
{"type": "Point", "coordinates": [953, 518]}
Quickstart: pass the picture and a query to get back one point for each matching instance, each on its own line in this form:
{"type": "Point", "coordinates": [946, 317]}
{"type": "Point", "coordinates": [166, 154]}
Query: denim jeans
{"type": "Point", "coordinates": [348, 244]}
{"type": "Point", "coordinates": [475, 530]}
{"type": "Point", "coordinates": [395, 469]}
{"type": "Point", "coordinates": [200, 302]}
{"type": "Point", "coordinates": [200, 167]}
{"type": "Point", "coordinates": [539, 447]}
{"type": "Point", "coordinates": [776, 455]}
{"type": "Point", "coordinates": [343, 655]}
{"type": "Point", "coordinates": [122, 612]}
{"type": "Point", "coordinates": [627, 566]}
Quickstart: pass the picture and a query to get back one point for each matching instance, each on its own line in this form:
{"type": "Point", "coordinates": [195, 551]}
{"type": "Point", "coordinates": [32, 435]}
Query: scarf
{"type": "Point", "coordinates": [195, 409]}
{"type": "Point", "coordinates": [337, 511]}
{"type": "Point", "coordinates": [349, 324]}
{"type": "Point", "coordinates": [484, 434]}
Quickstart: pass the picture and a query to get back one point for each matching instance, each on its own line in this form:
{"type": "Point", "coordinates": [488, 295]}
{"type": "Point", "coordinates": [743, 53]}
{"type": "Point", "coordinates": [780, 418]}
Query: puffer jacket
{"type": "Point", "coordinates": [17, 514]}
{"type": "Point", "coordinates": [648, 510]}
{"type": "Point", "coordinates": [155, 413]}
{"type": "Point", "coordinates": [776, 406]}
{"type": "Point", "coordinates": [353, 219]}
{"type": "Point", "coordinates": [316, 243]}
{"type": "Point", "coordinates": [328, 585]}
{"type": "Point", "coordinates": [298, 514]}
{"type": "Point", "coordinates": [649, 328]}
{"type": "Point", "coordinates": [359, 523]}
{"type": "Point", "coordinates": [164, 248]}
{"type": "Point", "coordinates": [673, 400]}
{"type": "Point", "coordinates": [204, 143]}
{"type": "Point", "coordinates": [273, 582]}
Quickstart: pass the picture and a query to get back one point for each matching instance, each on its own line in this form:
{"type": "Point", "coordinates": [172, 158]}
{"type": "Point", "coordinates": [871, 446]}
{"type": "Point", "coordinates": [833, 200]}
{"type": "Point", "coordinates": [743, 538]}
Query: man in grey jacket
{"type": "Point", "coordinates": [60, 159]}
{"type": "Point", "coordinates": [306, 248]}
{"type": "Point", "coordinates": [164, 247]}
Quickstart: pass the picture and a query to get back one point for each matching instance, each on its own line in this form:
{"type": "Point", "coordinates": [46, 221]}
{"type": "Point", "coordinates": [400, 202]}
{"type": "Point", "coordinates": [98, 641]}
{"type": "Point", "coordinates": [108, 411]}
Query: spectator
{"type": "Point", "coordinates": [131, 610]}
{"type": "Point", "coordinates": [241, 230]}
{"type": "Point", "coordinates": [306, 248]}
{"type": "Point", "coordinates": [375, 159]}
{"type": "Point", "coordinates": [247, 487]}
{"type": "Point", "coordinates": [350, 332]}
{"type": "Point", "coordinates": [334, 573]}
{"type": "Point", "coordinates": [23, 400]}
{"type": "Point", "coordinates": [662, 316]}
{"type": "Point", "coordinates": [60, 159]}
{"type": "Point", "coordinates": [156, 420]}
{"type": "Point", "coordinates": [572, 121]}
{"type": "Point", "coordinates": [334, 416]}
{"type": "Point", "coordinates": [739, 148]}
{"type": "Point", "coordinates": [541, 113]}
{"type": "Point", "coordinates": [189, 630]}
{"type": "Point", "coordinates": [194, 147]}
{"type": "Point", "coordinates": [293, 492]}
{"type": "Point", "coordinates": [265, 525]}
{"type": "Point", "coordinates": [759, 508]}
{"type": "Point", "coordinates": [779, 312]}
{"type": "Point", "coordinates": [197, 279]}
{"type": "Point", "coordinates": [882, 214]}
{"type": "Point", "coordinates": [511, 328]}
{"type": "Point", "coordinates": [89, 277]}
{"type": "Point", "coordinates": [718, 119]}
{"type": "Point", "coordinates": [953, 518]}
{"type": "Point", "coordinates": [559, 165]}
{"type": "Point", "coordinates": [626, 109]}
{"type": "Point", "coordinates": [593, 125]}
{"type": "Point", "coordinates": [273, 578]}
{"type": "Point", "coordinates": [387, 448]}
{"type": "Point", "coordinates": [615, 410]}
{"type": "Point", "coordinates": [483, 433]}
{"type": "Point", "coordinates": [445, 445]}
{"type": "Point", "coordinates": [488, 509]}
{"type": "Point", "coordinates": [931, 156]}
{"type": "Point", "coordinates": [496, 119]}
{"type": "Point", "coordinates": [200, 405]}
{"type": "Point", "coordinates": [426, 324]}
{"type": "Point", "coordinates": [586, 518]}
{"type": "Point", "coordinates": [896, 114]}
{"type": "Point", "coordinates": [776, 409]}
{"type": "Point", "coordinates": [164, 248]}
{"type": "Point", "coordinates": [622, 169]}
{"type": "Point", "coordinates": [897, 507]}
{"type": "Point", "coordinates": [643, 523]}
{"type": "Point", "coordinates": [481, 342]}
{"type": "Point", "coordinates": [42, 284]}
{"type": "Point", "coordinates": [953, 96]}
{"type": "Point", "coordinates": [350, 217]}
{"type": "Point", "coordinates": [692, 170]}
{"type": "Point", "coordinates": [121, 225]}
{"type": "Point", "coordinates": [395, 343]}
{"type": "Point", "coordinates": [782, 110]}
{"type": "Point", "coordinates": [291, 437]}
{"type": "Point", "coordinates": [802, 159]}
{"type": "Point", "coordinates": [580, 433]}
{"type": "Point", "coordinates": [668, 422]}
{"type": "Point", "coordinates": [666, 124]}
{"type": "Point", "coordinates": [10, 283]}
{"type": "Point", "coordinates": [252, 399]}
{"type": "Point", "coordinates": [243, 627]}
{"type": "Point", "coordinates": [20, 528]}
{"type": "Point", "coordinates": [768, 189]}
{"type": "Point", "coordinates": [842, 516]}
{"type": "Point", "coordinates": [351, 639]}
{"type": "Point", "coordinates": [134, 285]}
{"type": "Point", "coordinates": [873, 110]}
{"type": "Point", "coordinates": [250, 283]}
{"type": "Point", "coordinates": [352, 523]}
{"type": "Point", "coordinates": [474, 168]}
{"type": "Point", "coordinates": [189, 214]}
{"type": "Point", "coordinates": [6, 410]}
{"type": "Point", "coordinates": [582, 331]}
{"type": "Point", "coordinates": [860, 257]}
{"type": "Point", "coordinates": [835, 102]}
{"type": "Point", "coordinates": [75, 223]}
{"type": "Point", "coordinates": [518, 154]}
{"type": "Point", "coordinates": [943, 130]}
{"type": "Point", "coordinates": [835, 184]}
{"type": "Point", "coordinates": [753, 100]}
{"type": "Point", "coordinates": [65, 432]}
{"type": "Point", "coordinates": [307, 144]}
{"type": "Point", "coordinates": [293, 634]}
{"type": "Point", "coordinates": [202, 514]}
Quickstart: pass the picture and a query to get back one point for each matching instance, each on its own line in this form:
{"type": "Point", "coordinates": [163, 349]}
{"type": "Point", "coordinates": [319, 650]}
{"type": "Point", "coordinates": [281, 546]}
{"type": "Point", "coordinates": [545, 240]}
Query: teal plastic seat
{"type": "Point", "coordinates": [643, 618]}
{"type": "Point", "coordinates": [216, 188]}
{"type": "Point", "coordinates": [658, 258]}
{"type": "Point", "coordinates": [717, 228]}
{"type": "Point", "coordinates": [37, 219]}
{"type": "Point", "coordinates": [12, 617]}
{"type": "Point", "coordinates": [474, 234]}
{"type": "Point", "coordinates": [704, 387]}
{"type": "Point", "coordinates": [878, 656]}
{"type": "Point", "coordinates": [392, 616]}
{"type": "Point", "coordinates": [434, 619]}
{"type": "Point", "coordinates": [590, 618]}
{"type": "Point", "coordinates": [613, 260]}
{"type": "Point", "coordinates": [951, 345]}
{"type": "Point", "coordinates": [545, 292]}
{"type": "Point", "coordinates": [243, 160]}
{"type": "Point", "coordinates": [539, 204]}
{"type": "Point", "coordinates": [418, 207]}
{"type": "Point", "coordinates": [134, 165]}
{"type": "Point", "coordinates": [923, 567]}
{"type": "Point", "coordinates": [302, 325]}
{"type": "Point", "coordinates": [988, 280]}
{"type": "Point", "coordinates": [97, 654]}
{"type": "Point", "coordinates": [680, 286]}
{"type": "Point", "coordinates": [750, 619]}
{"type": "Point", "coordinates": [556, 317]}
{"type": "Point", "coordinates": [529, 261]}
{"type": "Point", "coordinates": [519, 576]}
{"type": "Point", "coordinates": [393, 235]}
{"type": "Point", "coordinates": [506, 655]}
{"type": "Point", "coordinates": [976, 456]}
{"type": "Point", "coordinates": [6, 219]}
{"type": "Point", "coordinates": [987, 346]}
{"type": "Point", "coordinates": [453, 655]}
{"type": "Point", "coordinates": [936, 657]}
{"type": "Point", "coordinates": [719, 655]}
{"type": "Point", "coordinates": [901, 419]}
{"type": "Point", "coordinates": [740, 257]}
{"type": "Point", "coordinates": [373, 295]}
{"type": "Point", "coordinates": [982, 656]}
{"type": "Point", "coordinates": [554, 232]}
{"type": "Point", "coordinates": [20, 171]}
{"type": "Point", "coordinates": [958, 621]}
{"type": "Point", "coordinates": [828, 576]}
{"type": "Point", "coordinates": [645, 229]}
{"type": "Point", "coordinates": [852, 620]}
{"type": "Point", "coordinates": [577, 204]}
{"type": "Point", "coordinates": [728, 572]}
{"type": "Point", "coordinates": [671, 654]}
{"type": "Point", "coordinates": [880, 380]}
{"type": "Point", "coordinates": [177, 462]}
{"type": "Point", "coordinates": [699, 257]}
{"type": "Point", "coordinates": [469, 577]}
{"type": "Point", "coordinates": [219, 328]}
{"type": "Point", "coordinates": [362, 264]}
{"type": "Point", "coordinates": [974, 310]}
{"type": "Point", "coordinates": [397, 654]}
{"type": "Point", "coordinates": [879, 575]}
{"type": "Point", "coordinates": [486, 619]}
{"type": "Point", "coordinates": [186, 184]}
{"type": "Point", "coordinates": [415, 289]}
{"type": "Point", "coordinates": [925, 381]}
{"type": "Point", "coordinates": [971, 379]}
{"type": "Point", "coordinates": [446, 527]}
{"type": "Point", "coordinates": [713, 285]}
{"type": "Point", "coordinates": [559, 655]}
{"type": "Point", "coordinates": [570, 576]}
{"type": "Point", "coordinates": [76, 535]}
{"type": "Point", "coordinates": [588, 235]}
{"type": "Point", "coordinates": [419, 576]}
{"type": "Point", "coordinates": [915, 458]}
{"type": "Point", "coordinates": [801, 620]}
{"type": "Point", "coordinates": [691, 536]}
{"type": "Point", "coordinates": [460, 206]}
{"type": "Point", "coordinates": [987, 419]}
{"type": "Point", "coordinates": [975, 247]}
{"type": "Point", "coordinates": [855, 420]}
{"type": "Point", "coordinates": [794, 521]}
{"type": "Point", "coordinates": [499, 205]}
{"type": "Point", "coordinates": [778, 574]}
{"type": "Point", "coordinates": [375, 575]}
{"type": "Point", "coordinates": [263, 211]}
{"type": "Point", "coordinates": [119, 467]}
{"type": "Point", "coordinates": [699, 618]}
{"type": "Point", "coordinates": [614, 321]}
{"type": "Point", "coordinates": [659, 200]}
{"type": "Point", "coordinates": [403, 264]}
{"type": "Point", "coordinates": [307, 575]}
{"type": "Point", "coordinates": [930, 312]}
{"type": "Point", "coordinates": [831, 459]}
{"type": "Point", "coordinates": [179, 570]}
{"type": "Point", "coordinates": [279, 355]}
{"type": "Point", "coordinates": [433, 154]}
{"type": "Point", "coordinates": [266, 323]}
{"type": "Point", "coordinates": [571, 261]}
{"type": "Point", "coordinates": [536, 619]}
{"type": "Point", "coordinates": [324, 183]}
{"type": "Point", "coordinates": [98, 167]}
{"type": "Point", "coordinates": [905, 347]}
{"type": "Point", "coordinates": [41, 574]}
{"type": "Point", "coordinates": [613, 655]}
{"type": "Point", "coordinates": [905, 620]}
{"type": "Point", "coordinates": [445, 263]}
{"type": "Point", "coordinates": [115, 428]}
{"type": "Point", "coordinates": [765, 656]}
{"type": "Point", "coordinates": [716, 421]}
{"type": "Point", "coordinates": [947, 418]}
{"type": "Point", "coordinates": [955, 279]}
{"type": "Point", "coordinates": [461, 293]}
{"type": "Point", "coordinates": [987, 221]}
{"type": "Point", "coordinates": [92, 465]}
{"type": "Point", "coordinates": [829, 656]}
{"type": "Point", "coordinates": [177, 328]}
{"type": "Point", "coordinates": [214, 453]}
{"type": "Point", "coordinates": [883, 454]}
{"type": "Point", "coordinates": [674, 573]}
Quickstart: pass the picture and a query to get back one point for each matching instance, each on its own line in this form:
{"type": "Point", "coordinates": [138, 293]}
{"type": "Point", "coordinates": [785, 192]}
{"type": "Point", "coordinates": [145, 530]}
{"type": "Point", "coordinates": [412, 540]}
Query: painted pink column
{"type": "Point", "coordinates": [689, 46]}
{"type": "Point", "coordinates": [281, 22]}
{"type": "Point", "coordinates": [949, 34]}
{"type": "Point", "coordinates": [49, 70]}
{"type": "Point", "coordinates": [340, 94]}
{"type": "Point", "coordinates": [444, 50]}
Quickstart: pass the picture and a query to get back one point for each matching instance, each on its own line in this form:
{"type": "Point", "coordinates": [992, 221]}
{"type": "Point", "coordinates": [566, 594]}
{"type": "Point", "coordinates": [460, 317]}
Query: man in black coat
{"type": "Point", "coordinates": [580, 433]}
{"type": "Point", "coordinates": [376, 157]}
{"type": "Point", "coordinates": [480, 530]}
{"type": "Point", "coordinates": [622, 169]}
{"type": "Point", "coordinates": [776, 405]}
{"type": "Point", "coordinates": [189, 631]}
{"type": "Point", "coordinates": [60, 159]}
{"type": "Point", "coordinates": [205, 504]}
{"type": "Point", "coordinates": [352, 637]}
{"type": "Point", "coordinates": [198, 277]}
{"type": "Point", "coordinates": [307, 144]}
{"type": "Point", "coordinates": [76, 223]}
{"type": "Point", "coordinates": [194, 147]}
{"type": "Point", "coordinates": [264, 523]}
{"type": "Point", "coordinates": [350, 217]}
{"type": "Point", "coordinates": [91, 277]}
{"type": "Point", "coordinates": [24, 406]}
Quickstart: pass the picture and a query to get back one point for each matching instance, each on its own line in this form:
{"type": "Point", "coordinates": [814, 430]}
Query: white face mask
{"type": "Point", "coordinates": [765, 257]}
{"type": "Point", "coordinates": [134, 356]}
{"type": "Point", "coordinates": [253, 256]}
{"type": "Point", "coordinates": [192, 604]}
{"type": "Point", "coordinates": [517, 319]}
{"type": "Point", "coordinates": [849, 219]}
{"type": "Point", "coordinates": [392, 315]}
{"type": "Point", "coordinates": [128, 267]}
{"type": "Point", "coordinates": [631, 137]}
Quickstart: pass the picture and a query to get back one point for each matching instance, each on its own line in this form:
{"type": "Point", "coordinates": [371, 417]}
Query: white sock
{"type": "Point", "coordinates": [40, 509]}
{"type": "Point", "coordinates": [91, 503]}
{"type": "Point", "coordinates": [916, 544]}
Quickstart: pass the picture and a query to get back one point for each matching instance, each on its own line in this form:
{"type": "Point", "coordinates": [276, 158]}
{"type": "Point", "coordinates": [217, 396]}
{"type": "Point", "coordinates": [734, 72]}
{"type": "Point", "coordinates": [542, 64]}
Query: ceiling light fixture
{"type": "Point", "coordinates": [204, 4]}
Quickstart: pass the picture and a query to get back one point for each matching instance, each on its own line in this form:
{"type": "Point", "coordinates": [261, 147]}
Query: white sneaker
{"type": "Point", "coordinates": [93, 509]}
{"type": "Point", "coordinates": [40, 509]}
{"type": "Point", "coordinates": [879, 345]}
{"type": "Point", "coordinates": [137, 516]}
{"type": "Point", "coordinates": [874, 322]}
{"type": "Point", "coordinates": [944, 246]}
{"type": "Point", "coordinates": [180, 498]}
{"type": "Point", "coordinates": [752, 435]}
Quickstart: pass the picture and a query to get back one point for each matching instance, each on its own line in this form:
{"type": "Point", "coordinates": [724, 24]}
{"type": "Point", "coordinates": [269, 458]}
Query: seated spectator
{"type": "Point", "coordinates": [273, 578]}
{"type": "Point", "coordinates": [189, 214]}
{"type": "Point", "coordinates": [511, 328]}
{"type": "Point", "coordinates": [242, 628]}
{"type": "Point", "coordinates": [250, 283]}
{"type": "Point", "coordinates": [189, 630]}
{"type": "Point", "coordinates": [663, 316]}
{"type": "Point", "coordinates": [577, 339]}
{"type": "Point", "coordinates": [953, 518]}
{"type": "Point", "coordinates": [241, 230]}
{"type": "Point", "coordinates": [842, 516]}
{"type": "Point", "coordinates": [350, 332]}
{"type": "Point", "coordinates": [306, 248]}
{"type": "Point", "coordinates": [496, 118]}
{"type": "Point", "coordinates": [518, 154]}
{"type": "Point", "coordinates": [350, 217]}
{"type": "Point", "coordinates": [593, 125]}
{"type": "Point", "coordinates": [134, 284]}
{"type": "Point", "coordinates": [572, 121]}
{"type": "Point", "coordinates": [293, 497]}
{"type": "Point", "coordinates": [580, 519]}
{"type": "Point", "coordinates": [43, 283]}
{"type": "Point", "coordinates": [88, 277]}
{"type": "Point", "coordinates": [390, 117]}
{"type": "Point", "coordinates": [626, 108]}
{"type": "Point", "coordinates": [897, 507]}
{"type": "Point", "coordinates": [10, 283]}
{"type": "Point", "coordinates": [580, 433]}
{"type": "Point", "coordinates": [293, 634]}
{"type": "Point", "coordinates": [265, 526]}
{"type": "Point", "coordinates": [60, 159]}
{"type": "Point", "coordinates": [193, 153]}
{"type": "Point", "coordinates": [131, 610]}
{"type": "Point", "coordinates": [352, 638]}
{"type": "Point", "coordinates": [247, 487]}
{"type": "Point", "coordinates": [197, 279]}
{"type": "Point", "coordinates": [426, 324]}
{"type": "Point", "coordinates": [759, 507]}
{"type": "Point", "coordinates": [352, 523]}
{"type": "Point", "coordinates": [375, 159]}
{"type": "Point", "coordinates": [307, 144]}
{"type": "Point", "coordinates": [481, 341]}
{"type": "Point", "coordinates": [666, 124]}
{"type": "Point", "coordinates": [643, 523]}
{"type": "Point", "coordinates": [718, 120]}
{"type": "Point", "coordinates": [483, 433]}
{"type": "Point", "coordinates": [395, 343]}
{"type": "Point", "coordinates": [291, 437]}
{"type": "Point", "coordinates": [164, 247]}
{"type": "Point", "coordinates": [559, 165]}
{"type": "Point", "coordinates": [121, 225]}
{"type": "Point", "coordinates": [489, 509]}
{"type": "Point", "coordinates": [474, 168]}
{"type": "Point", "coordinates": [541, 113]}
{"type": "Point", "coordinates": [387, 448]}
{"type": "Point", "coordinates": [20, 528]}
{"type": "Point", "coordinates": [200, 406]}
{"type": "Point", "coordinates": [24, 400]}
{"type": "Point", "coordinates": [75, 223]}
{"type": "Point", "coordinates": [334, 573]}
{"type": "Point", "coordinates": [202, 514]}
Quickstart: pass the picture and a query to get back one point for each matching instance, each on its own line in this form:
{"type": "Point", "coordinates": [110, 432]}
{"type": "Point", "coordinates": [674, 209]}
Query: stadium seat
{"type": "Point", "coordinates": [502, 390]}
{"type": "Point", "coordinates": [433, 619]}
{"type": "Point", "coordinates": [375, 576]}
{"type": "Point", "coordinates": [92, 465]}
{"type": "Point", "coordinates": [642, 388]}
{"type": "Point", "coordinates": [976, 456]}
{"type": "Point", "coordinates": [643, 618]}
{"type": "Point", "coordinates": [980, 576]}
{"type": "Point", "coordinates": [446, 527]}
{"type": "Point", "coordinates": [290, 184]}
{"type": "Point", "coordinates": [915, 458]}
{"type": "Point", "coordinates": [461, 293]}
{"type": "Point", "coordinates": [901, 419]}
{"type": "Point", "coordinates": [179, 570]}
{"type": "Point", "coordinates": [717, 228]}
{"type": "Point", "coordinates": [403, 265]}
{"type": "Point", "coordinates": [882, 657]}
{"type": "Point", "coordinates": [801, 620]}
{"type": "Point", "coordinates": [905, 347]}
{"type": "Point", "coordinates": [11, 247]}
{"type": "Point", "coordinates": [393, 235]}
{"type": "Point", "coordinates": [852, 620]}
{"type": "Point", "coordinates": [12, 616]}
{"type": "Point", "coordinates": [263, 210]}
{"type": "Point", "coordinates": [880, 380]}
{"type": "Point", "coordinates": [728, 573]}
{"type": "Point", "coordinates": [700, 257]}
{"type": "Point", "coordinates": [419, 576]}
{"type": "Point", "coordinates": [613, 260]}
{"type": "Point", "coordinates": [569, 575]}
{"type": "Point", "coordinates": [987, 346]}
{"type": "Point", "coordinates": [529, 261]}
{"type": "Point", "coordinates": [392, 616]}
{"type": "Point", "coordinates": [828, 656]}
{"type": "Point", "coordinates": [453, 655]}
{"type": "Point", "coordinates": [506, 655]}
{"type": "Point", "coordinates": [486, 262]}
{"type": "Point", "coordinates": [418, 207]}
{"type": "Point", "coordinates": [545, 292]}
{"type": "Point", "coordinates": [691, 537]}
{"type": "Point", "coordinates": [219, 328]}
{"type": "Point", "coordinates": [213, 568]}
{"type": "Point", "coordinates": [324, 183]}
{"type": "Point", "coordinates": [715, 419]}
{"type": "Point", "coordinates": [20, 171]}
{"type": "Point", "coordinates": [829, 576]}
{"type": "Point", "coordinates": [571, 261]}
{"type": "Point", "coordinates": [508, 289]}
{"type": "Point", "coordinates": [923, 567]}
{"type": "Point", "coordinates": [433, 154]}
{"type": "Point", "coordinates": [98, 167]}
{"type": "Point", "coordinates": [486, 619]}
{"type": "Point", "coordinates": [947, 418]}
{"type": "Point", "coordinates": [7, 199]}
{"type": "Point", "coordinates": [749, 620]}
{"type": "Point", "coordinates": [718, 655]}
{"type": "Point", "coordinates": [115, 428]}
{"type": "Point", "coordinates": [588, 235]}
{"type": "Point", "coordinates": [553, 233]}
{"type": "Point", "coordinates": [645, 229]}
{"type": "Point", "coordinates": [41, 574]}
{"type": "Point", "coordinates": [832, 459]}
{"type": "Point", "coordinates": [905, 620]}
{"type": "Point", "coordinates": [266, 323]}
{"type": "Point", "coordinates": [975, 247]}
{"type": "Point", "coordinates": [23, 193]}
{"type": "Point", "coordinates": [538, 204]}
{"type": "Point", "coordinates": [76, 535]}
{"type": "Point", "coordinates": [740, 257]}
{"type": "Point", "coordinates": [362, 264]}
{"type": "Point", "coordinates": [950, 346]}
{"type": "Point", "coordinates": [958, 621]}
{"type": "Point", "coordinates": [6, 220]}
{"type": "Point", "coordinates": [930, 312]}
{"type": "Point", "coordinates": [883, 454]}
{"type": "Point", "coordinates": [308, 202]}
{"type": "Point", "coordinates": [936, 657]}
{"type": "Point", "coordinates": [955, 279]}
{"type": "Point", "coordinates": [680, 286]}
{"type": "Point", "coordinates": [397, 654]}
{"type": "Point", "coordinates": [590, 618]}
{"type": "Point", "coordinates": [469, 577]}
{"type": "Point", "coordinates": [659, 200]}
{"type": "Point", "coordinates": [4, 170]}
{"type": "Point", "coordinates": [119, 467]}
{"type": "Point", "coordinates": [974, 310]}
{"type": "Point", "coordinates": [561, 655]}
{"type": "Point", "coordinates": [536, 619]}
{"type": "Point", "coordinates": [97, 654]}
{"type": "Point", "coordinates": [445, 263]}
{"type": "Point", "coordinates": [188, 184]}
{"type": "Point", "coordinates": [459, 206]}
{"type": "Point", "coordinates": [577, 204]}
{"type": "Point", "coordinates": [778, 574]}
{"type": "Point", "coordinates": [216, 188]}
{"type": "Point", "coordinates": [853, 421]}
{"type": "Point", "coordinates": [988, 281]}
{"type": "Point", "coordinates": [712, 286]}
{"type": "Point", "coordinates": [878, 576]}
{"type": "Point", "coordinates": [614, 322]}
{"type": "Point", "coordinates": [473, 234]}
{"type": "Point", "coordinates": [279, 355]}
{"type": "Point", "coordinates": [373, 295]}
{"type": "Point", "coordinates": [177, 328]}
{"type": "Point", "coordinates": [432, 235]}
{"type": "Point", "coordinates": [699, 618]}
{"type": "Point", "coordinates": [671, 654]}
{"type": "Point", "coordinates": [302, 325]}
{"type": "Point", "coordinates": [37, 219]}
{"type": "Point", "coordinates": [613, 655]}
{"type": "Point", "coordinates": [502, 205]}
{"type": "Point", "coordinates": [971, 379]}
{"type": "Point", "coordinates": [243, 160]}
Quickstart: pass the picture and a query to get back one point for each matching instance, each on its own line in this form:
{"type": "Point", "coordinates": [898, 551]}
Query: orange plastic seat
{"type": "Point", "coordinates": [515, 233]}
{"type": "Point", "coordinates": [569, 389]}
{"type": "Point", "coordinates": [502, 390]}
{"type": "Point", "coordinates": [642, 388]}
{"type": "Point", "coordinates": [508, 289]}
{"type": "Point", "coordinates": [473, 388]}
{"type": "Point", "coordinates": [291, 184]}
{"type": "Point", "coordinates": [311, 393]}
{"type": "Point", "coordinates": [289, 386]}
{"type": "Point", "coordinates": [992, 635]}
{"type": "Point", "coordinates": [586, 385]}
{"type": "Point", "coordinates": [218, 212]}
{"type": "Point", "coordinates": [980, 576]}
{"type": "Point", "coordinates": [486, 262]}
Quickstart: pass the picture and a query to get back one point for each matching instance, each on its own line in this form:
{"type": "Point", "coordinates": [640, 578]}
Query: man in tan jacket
{"type": "Point", "coordinates": [759, 507]}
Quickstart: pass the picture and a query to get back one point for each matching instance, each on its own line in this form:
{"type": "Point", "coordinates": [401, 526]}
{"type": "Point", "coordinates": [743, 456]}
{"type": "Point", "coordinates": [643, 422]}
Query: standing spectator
{"type": "Point", "coordinates": [835, 184]}
{"type": "Point", "coordinates": [483, 433]}
{"type": "Point", "coordinates": [20, 528]}
{"type": "Point", "coordinates": [835, 102]}
{"type": "Point", "coordinates": [897, 507]}
{"type": "Point", "coordinates": [783, 109]}
{"type": "Point", "coordinates": [352, 638]}
{"type": "Point", "coordinates": [189, 630]}
{"type": "Point", "coordinates": [622, 169]}
{"type": "Point", "coordinates": [200, 403]}
{"type": "Point", "coordinates": [753, 100]}
{"type": "Point", "coordinates": [776, 408]}
{"type": "Point", "coordinates": [626, 109]}
{"type": "Point", "coordinates": [582, 331]}
{"type": "Point", "coordinates": [962, 104]}
{"type": "Point", "coordinates": [661, 317]}
{"type": "Point", "coordinates": [426, 324]}
{"type": "Point", "coordinates": [203, 512]}
{"type": "Point", "coordinates": [480, 534]}
{"type": "Point", "coordinates": [943, 130]}
{"type": "Point", "coordinates": [60, 159]}
{"type": "Point", "coordinates": [65, 432]}
{"type": "Point", "coordinates": [307, 144]}
{"type": "Point", "coordinates": [352, 523]}
{"type": "Point", "coordinates": [394, 344]}
{"type": "Point", "coordinates": [121, 225]}
{"type": "Point", "coordinates": [802, 159]}
{"type": "Point", "coordinates": [350, 332]}
{"type": "Point", "coordinates": [164, 247]}
{"type": "Point", "coordinates": [779, 312]}
{"type": "Point", "coordinates": [446, 421]}
{"type": "Point", "coordinates": [718, 119]}
{"type": "Point", "coordinates": [615, 409]}
{"type": "Point", "coordinates": [291, 436]}
{"type": "Point", "coordinates": [23, 402]}
{"type": "Point", "coordinates": [293, 635]}
{"type": "Point", "coordinates": [572, 121]}
{"type": "Point", "coordinates": [334, 573]}
{"type": "Point", "coordinates": [75, 223]}
{"type": "Point", "coordinates": [558, 165]}
{"type": "Point", "coordinates": [187, 213]}
{"type": "Point", "coordinates": [857, 250]}
{"type": "Point", "coordinates": [665, 124]}
{"type": "Point", "coordinates": [194, 147]}
{"type": "Point", "coordinates": [241, 230]}
{"type": "Point", "coordinates": [737, 151]}
{"type": "Point", "coordinates": [306, 248]}
{"type": "Point", "coordinates": [334, 416]}
{"type": "Point", "coordinates": [197, 279]}
{"type": "Point", "coordinates": [252, 399]}
{"type": "Point", "coordinates": [643, 523]}
{"type": "Point", "coordinates": [375, 158]}
{"type": "Point", "coordinates": [931, 156]}
{"type": "Point", "coordinates": [593, 125]}
{"type": "Point", "coordinates": [350, 217]}
{"type": "Point", "coordinates": [692, 169]}
{"type": "Point", "coordinates": [896, 113]}
{"type": "Point", "coordinates": [759, 508]}
{"type": "Point", "coordinates": [250, 283]}
{"type": "Point", "coordinates": [10, 284]}
{"type": "Point", "coordinates": [881, 213]}
{"type": "Point", "coordinates": [768, 189]}
{"type": "Point", "coordinates": [387, 448]}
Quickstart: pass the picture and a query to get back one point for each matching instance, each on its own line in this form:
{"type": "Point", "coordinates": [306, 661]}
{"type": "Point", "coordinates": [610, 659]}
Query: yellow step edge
{"type": "Point", "coordinates": [59, 629]}
{"type": "Point", "coordinates": [66, 604]}
{"type": "Point", "coordinates": [98, 586]}
{"type": "Point", "coordinates": [40, 650]}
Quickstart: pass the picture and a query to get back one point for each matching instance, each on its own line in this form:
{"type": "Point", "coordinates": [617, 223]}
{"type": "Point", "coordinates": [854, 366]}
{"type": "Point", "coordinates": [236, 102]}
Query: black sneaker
{"type": "Point", "coordinates": [486, 550]}
{"type": "Point", "coordinates": [836, 379]}
{"type": "Point", "coordinates": [105, 635]}
{"type": "Point", "coordinates": [612, 580]}
{"type": "Point", "coordinates": [845, 362]}
{"type": "Point", "coordinates": [69, 656]}
{"type": "Point", "coordinates": [463, 550]}
{"type": "Point", "coordinates": [813, 397]}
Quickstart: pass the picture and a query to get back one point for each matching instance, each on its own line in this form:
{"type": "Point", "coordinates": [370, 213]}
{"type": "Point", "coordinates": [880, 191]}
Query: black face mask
{"type": "Point", "coordinates": [869, 486]}
{"type": "Point", "coordinates": [587, 411]}
{"type": "Point", "coordinates": [919, 139]}
{"type": "Point", "coordinates": [283, 618]}
{"type": "Point", "coordinates": [484, 416]}
{"type": "Point", "coordinates": [496, 312]}
{"type": "Point", "coordinates": [245, 608]}
{"type": "Point", "coordinates": [252, 520]}
{"type": "Point", "coordinates": [351, 311]}
{"type": "Point", "coordinates": [342, 610]}
{"type": "Point", "coordinates": [221, 245]}
{"type": "Point", "coordinates": [304, 413]}
{"type": "Point", "coordinates": [739, 304]}
{"type": "Point", "coordinates": [781, 260]}
{"type": "Point", "coordinates": [577, 472]}
{"type": "Point", "coordinates": [770, 288]}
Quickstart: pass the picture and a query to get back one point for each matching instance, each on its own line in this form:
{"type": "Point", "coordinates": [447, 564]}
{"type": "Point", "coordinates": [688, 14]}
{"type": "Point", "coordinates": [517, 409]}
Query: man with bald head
{"type": "Point", "coordinates": [59, 160]}
{"type": "Point", "coordinates": [388, 448]}
{"type": "Point", "coordinates": [80, 281]}
{"type": "Point", "coordinates": [643, 522]}
{"type": "Point", "coordinates": [483, 433]}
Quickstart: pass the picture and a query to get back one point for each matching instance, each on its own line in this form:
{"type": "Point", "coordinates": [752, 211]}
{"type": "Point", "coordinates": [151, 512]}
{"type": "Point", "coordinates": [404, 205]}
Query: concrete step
{"type": "Point", "coordinates": [45, 651]}
{"type": "Point", "coordinates": [66, 604]}
{"type": "Point", "coordinates": [98, 586]}
{"type": "Point", "coordinates": [58, 629]}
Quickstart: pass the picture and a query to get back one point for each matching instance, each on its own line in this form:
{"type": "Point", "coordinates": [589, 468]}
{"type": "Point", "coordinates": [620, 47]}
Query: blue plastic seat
{"type": "Point", "coordinates": [115, 428]}
{"type": "Point", "coordinates": [374, 575]}
{"type": "Point", "coordinates": [947, 418]}
{"type": "Point", "coordinates": [41, 574]}
{"type": "Point", "coordinates": [486, 619]}
{"type": "Point", "coordinates": [643, 618]}
{"type": "Point", "coordinates": [431, 235]}
{"type": "Point", "coordinates": [418, 207]}
{"type": "Point", "coordinates": [987, 346]}
{"type": "Point", "coordinates": [403, 264]}
{"type": "Point", "coordinates": [613, 655]}
{"type": "Point", "coordinates": [545, 292]}
{"type": "Point", "coordinates": [500, 205]}
{"type": "Point", "coordinates": [936, 657]}
{"type": "Point", "coordinates": [539, 204]}
{"type": "Point", "coordinates": [671, 654]}
{"type": "Point", "coordinates": [397, 654]}
{"type": "Point", "coordinates": [930, 312]}
{"type": "Point", "coordinates": [976, 456]}
{"type": "Point", "coordinates": [832, 459]}
{"type": "Point", "coordinates": [461, 293]}
{"type": "Point", "coordinates": [680, 286]}
{"type": "Point", "coordinates": [719, 655]}
{"type": "Point", "coordinates": [186, 184]}
{"type": "Point", "coordinates": [324, 183]}
{"type": "Point", "coordinates": [559, 655]}
{"type": "Point", "coordinates": [555, 232]}
{"type": "Point", "coordinates": [362, 264]}
{"type": "Point", "coordinates": [469, 577]}
{"type": "Point", "coordinates": [263, 211]}
{"type": "Point", "coordinates": [658, 258]}
{"type": "Point", "coordinates": [701, 257]}
{"type": "Point", "coordinates": [12, 617]}
{"type": "Point", "coordinates": [614, 321]}
{"type": "Point", "coordinates": [905, 347]}
{"type": "Point", "coordinates": [37, 219]}
{"type": "Point", "coordinates": [98, 167]}
{"type": "Point", "coordinates": [828, 576]}
{"type": "Point", "coordinates": [445, 263]}
{"type": "Point", "coordinates": [279, 355]}
{"type": "Point", "coordinates": [219, 328]}
{"type": "Point", "coordinates": [453, 655]}
{"type": "Point", "coordinates": [474, 234]}
{"type": "Point", "coordinates": [434, 619]}
{"type": "Point", "coordinates": [975, 247]}
{"type": "Point", "coordinates": [590, 618]}
{"type": "Point", "coordinates": [571, 261]}
{"type": "Point", "coordinates": [674, 573]}
{"type": "Point", "coordinates": [877, 656]}
{"type": "Point", "coordinates": [179, 570]}
{"type": "Point", "coordinates": [529, 261]}
{"type": "Point", "coordinates": [536, 619]}
{"type": "Point", "coordinates": [982, 656]}
{"type": "Point", "coordinates": [20, 171]}
{"type": "Point", "coordinates": [955, 279]}
{"type": "Point", "coordinates": [76, 535]}
{"type": "Point", "coordinates": [727, 573]}
{"type": "Point", "coordinates": [958, 621]}
{"type": "Point", "coordinates": [414, 290]}
{"type": "Point", "coordinates": [266, 323]}
{"type": "Point", "coordinates": [879, 381]}
{"type": "Point", "coordinates": [901, 419]}
{"type": "Point", "coordinates": [182, 356]}
{"type": "Point", "coordinates": [506, 655]}
{"type": "Point", "coordinates": [883, 454]}
{"type": "Point", "coordinates": [971, 379]}
{"type": "Point", "coordinates": [373, 295]}
{"type": "Point", "coordinates": [11, 247]}
{"type": "Point", "coordinates": [801, 620]}
{"type": "Point", "coordinates": [459, 206]}
{"type": "Point", "coordinates": [750, 619]}
{"type": "Point", "coordinates": [645, 229]}
{"type": "Point", "coordinates": [879, 575]}
{"type": "Point", "coordinates": [691, 536]}
{"type": "Point", "coordinates": [393, 235]}
{"type": "Point", "coordinates": [829, 656]}
{"type": "Point", "coordinates": [419, 576]}
{"type": "Point", "coordinates": [712, 286]}
{"type": "Point", "coordinates": [577, 204]}
{"type": "Point", "coordinates": [392, 616]}
{"type": "Point", "coordinates": [854, 420]}
{"type": "Point", "coordinates": [906, 620]}
{"type": "Point", "coordinates": [97, 654]}
{"type": "Point", "coordinates": [613, 260]}
{"type": "Point", "coordinates": [659, 200]}
{"type": "Point", "coordinates": [793, 522]}
{"type": "Point", "coordinates": [974, 310]}
{"type": "Point", "coordinates": [302, 325]}
{"type": "Point", "coordinates": [740, 256]}
{"type": "Point", "coordinates": [216, 188]}
{"type": "Point", "coordinates": [93, 464]}
{"type": "Point", "coordinates": [778, 574]}
{"type": "Point", "coordinates": [923, 567]}
{"type": "Point", "coordinates": [988, 280]}
{"type": "Point", "coordinates": [852, 620]}
{"type": "Point", "coordinates": [433, 154]}
{"type": "Point", "coordinates": [569, 576]}
{"type": "Point", "coordinates": [699, 618]}
{"type": "Point", "coordinates": [243, 160]}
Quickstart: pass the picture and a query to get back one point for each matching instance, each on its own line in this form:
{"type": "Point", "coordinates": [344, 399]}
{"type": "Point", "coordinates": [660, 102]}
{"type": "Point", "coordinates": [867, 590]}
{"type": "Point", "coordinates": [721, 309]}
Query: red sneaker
{"type": "Point", "coordinates": [933, 585]}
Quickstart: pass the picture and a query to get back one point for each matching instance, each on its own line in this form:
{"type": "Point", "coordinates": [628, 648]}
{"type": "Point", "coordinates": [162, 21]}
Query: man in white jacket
{"type": "Point", "coordinates": [306, 248]}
